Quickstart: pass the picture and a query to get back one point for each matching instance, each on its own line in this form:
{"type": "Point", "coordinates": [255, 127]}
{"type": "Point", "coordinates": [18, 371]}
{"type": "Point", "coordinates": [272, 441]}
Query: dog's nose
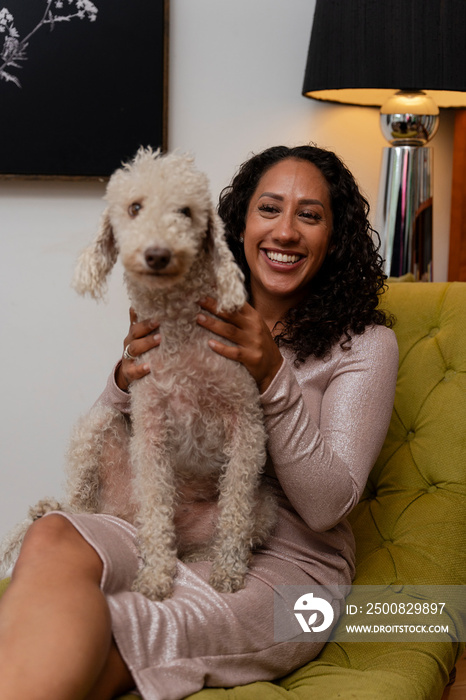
{"type": "Point", "coordinates": [157, 258]}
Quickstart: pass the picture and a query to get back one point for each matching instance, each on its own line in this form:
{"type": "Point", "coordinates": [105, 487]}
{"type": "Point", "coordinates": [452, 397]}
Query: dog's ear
{"type": "Point", "coordinates": [96, 261]}
{"type": "Point", "coordinates": [229, 279]}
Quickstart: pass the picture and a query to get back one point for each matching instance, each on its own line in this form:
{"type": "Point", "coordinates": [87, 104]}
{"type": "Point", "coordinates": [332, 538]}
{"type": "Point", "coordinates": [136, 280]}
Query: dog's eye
{"type": "Point", "coordinates": [186, 211]}
{"type": "Point", "coordinates": [134, 209]}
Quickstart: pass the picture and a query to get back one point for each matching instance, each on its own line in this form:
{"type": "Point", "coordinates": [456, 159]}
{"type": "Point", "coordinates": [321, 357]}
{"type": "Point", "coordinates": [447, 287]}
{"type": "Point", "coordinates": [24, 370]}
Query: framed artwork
{"type": "Point", "coordinates": [82, 85]}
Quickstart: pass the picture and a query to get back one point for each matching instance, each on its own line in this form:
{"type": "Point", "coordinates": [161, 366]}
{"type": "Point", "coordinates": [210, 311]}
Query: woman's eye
{"type": "Point", "coordinates": [268, 208]}
{"type": "Point", "coordinates": [134, 209]}
{"type": "Point", "coordinates": [312, 215]}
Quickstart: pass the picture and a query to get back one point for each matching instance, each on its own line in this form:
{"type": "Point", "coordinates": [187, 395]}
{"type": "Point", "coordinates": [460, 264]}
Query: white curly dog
{"type": "Point", "coordinates": [196, 420]}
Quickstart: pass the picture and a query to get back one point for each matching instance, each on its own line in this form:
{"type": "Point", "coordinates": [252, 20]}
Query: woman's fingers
{"type": "Point", "coordinates": [243, 326]}
{"type": "Point", "coordinates": [235, 318]}
{"type": "Point", "coordinates": [222, 328]}
{"type": "Point", "coordinates": [127, 374]}
{"type": "Point", "coordinates": [140, 345]}
{"type": "Point", "coordinates": [254, 346]}
{"type": "Point", "coordinates": [140, 329]}
{"type": "Point", "coordinates": [142, 337]}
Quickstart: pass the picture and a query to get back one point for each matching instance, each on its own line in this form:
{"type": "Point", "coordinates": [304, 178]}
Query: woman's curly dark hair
{"type": "Point", "coordinates": [343, 296]}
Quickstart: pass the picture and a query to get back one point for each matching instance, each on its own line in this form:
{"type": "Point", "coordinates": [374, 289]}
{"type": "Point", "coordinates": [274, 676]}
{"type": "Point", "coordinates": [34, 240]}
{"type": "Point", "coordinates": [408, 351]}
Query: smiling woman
{"type": "Point", "coordinates": [303, 203]}
{"type": "Point", "coordinates": [287, 234]}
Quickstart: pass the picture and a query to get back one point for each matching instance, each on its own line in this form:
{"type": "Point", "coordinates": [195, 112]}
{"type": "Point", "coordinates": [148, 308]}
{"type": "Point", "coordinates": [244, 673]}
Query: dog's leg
{"type": "Point", "coordinates": [94, 438]}
{"type": "Point", "coordinates": [265, 514]}
{"type": "Point", "coordinates": [238, 496]}
{"type": "Point", "coordinates": [154, 488]}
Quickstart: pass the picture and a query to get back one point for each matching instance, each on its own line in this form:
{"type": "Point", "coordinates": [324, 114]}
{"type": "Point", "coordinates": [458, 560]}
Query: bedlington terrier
{"type": "Point", "coordinates": [196, 419]}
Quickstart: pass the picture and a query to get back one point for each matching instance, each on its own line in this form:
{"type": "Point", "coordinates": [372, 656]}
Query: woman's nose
{"type": "Point", "coordinates": [286, 231]}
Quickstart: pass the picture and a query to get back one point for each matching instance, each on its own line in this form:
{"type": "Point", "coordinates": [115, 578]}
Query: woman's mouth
{"type": "Point", "coordinates": [288, 259]}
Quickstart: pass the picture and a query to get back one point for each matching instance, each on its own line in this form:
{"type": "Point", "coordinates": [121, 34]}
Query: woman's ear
{"type": "Point", "coordinates": [231, 294]}
{"type": "Point", "coordinates": [96, 261]}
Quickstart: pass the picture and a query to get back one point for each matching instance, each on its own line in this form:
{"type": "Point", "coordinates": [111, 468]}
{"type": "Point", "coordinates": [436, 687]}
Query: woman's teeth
{"type": "Point", "coordinates": [282, 257]}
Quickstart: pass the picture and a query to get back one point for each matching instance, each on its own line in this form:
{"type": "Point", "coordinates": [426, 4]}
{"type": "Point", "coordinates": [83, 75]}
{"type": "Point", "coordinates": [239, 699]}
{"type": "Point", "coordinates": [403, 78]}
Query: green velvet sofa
{"type": "Point", "coordinates": [410, 524]}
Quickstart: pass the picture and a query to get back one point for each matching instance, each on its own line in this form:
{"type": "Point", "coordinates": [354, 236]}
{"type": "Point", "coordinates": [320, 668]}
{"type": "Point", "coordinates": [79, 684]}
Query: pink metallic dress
{"type": "Point", "coordinates": [326, 422]}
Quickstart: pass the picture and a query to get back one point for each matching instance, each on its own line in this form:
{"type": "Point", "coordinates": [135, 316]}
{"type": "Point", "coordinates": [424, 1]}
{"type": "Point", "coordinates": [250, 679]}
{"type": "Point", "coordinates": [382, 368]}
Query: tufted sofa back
{"type": "Point", "coordinates": [410, 525]}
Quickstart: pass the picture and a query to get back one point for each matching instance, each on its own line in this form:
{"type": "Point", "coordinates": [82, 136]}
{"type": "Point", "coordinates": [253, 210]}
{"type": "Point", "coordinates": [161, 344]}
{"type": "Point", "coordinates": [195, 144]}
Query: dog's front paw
{"type": "Point", "coordinates": [226, 583]}
{"type": "Point", "coordinates": [152, 584]}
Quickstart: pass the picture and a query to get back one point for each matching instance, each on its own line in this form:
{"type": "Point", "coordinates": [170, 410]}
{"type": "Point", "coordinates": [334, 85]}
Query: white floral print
{"type": "Point", "coordinates": [14, 49]}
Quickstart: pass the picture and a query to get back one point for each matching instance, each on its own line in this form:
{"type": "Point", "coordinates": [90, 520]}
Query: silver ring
{"type": "Point", "coordinates": [127, 355]}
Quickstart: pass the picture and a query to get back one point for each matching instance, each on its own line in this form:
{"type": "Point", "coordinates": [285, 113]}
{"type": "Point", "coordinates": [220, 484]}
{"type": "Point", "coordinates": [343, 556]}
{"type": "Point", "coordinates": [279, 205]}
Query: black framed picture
{"type": "Point", "coordinates": [82, 84]}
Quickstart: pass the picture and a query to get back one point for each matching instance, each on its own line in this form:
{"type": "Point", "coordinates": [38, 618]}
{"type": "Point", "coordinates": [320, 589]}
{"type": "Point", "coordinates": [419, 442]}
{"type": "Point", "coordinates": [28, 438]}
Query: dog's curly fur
{"type": "Point", "coordinates": [196, 418]}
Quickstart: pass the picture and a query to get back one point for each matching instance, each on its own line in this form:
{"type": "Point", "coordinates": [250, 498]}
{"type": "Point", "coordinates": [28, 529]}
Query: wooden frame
{"type": "Point", "coordinates": [457, 256]}
{"type": "Point", "coordinates": [82, 85]}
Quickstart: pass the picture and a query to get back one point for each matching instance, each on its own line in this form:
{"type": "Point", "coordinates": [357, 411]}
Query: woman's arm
{"type": "Point", "coordinates": [323, 460]}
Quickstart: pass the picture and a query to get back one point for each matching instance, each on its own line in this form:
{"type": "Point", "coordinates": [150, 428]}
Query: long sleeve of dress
{"type": "Point", "coordinates": [326, 423]}
{"type": "Point", "coordinates": [114, 396]}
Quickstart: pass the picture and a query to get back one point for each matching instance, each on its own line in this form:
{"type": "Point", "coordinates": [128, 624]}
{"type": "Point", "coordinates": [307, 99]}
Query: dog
{"type": "Point", "coordinates": [196, 422]}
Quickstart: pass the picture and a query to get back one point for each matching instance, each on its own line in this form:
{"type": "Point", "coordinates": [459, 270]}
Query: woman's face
{"type": "Point", "coordinates": [288, 230]}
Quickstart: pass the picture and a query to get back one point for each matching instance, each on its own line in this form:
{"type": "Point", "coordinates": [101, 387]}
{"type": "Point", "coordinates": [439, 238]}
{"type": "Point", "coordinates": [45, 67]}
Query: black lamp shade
{"type": "Point", "coordinates": [361, 51]}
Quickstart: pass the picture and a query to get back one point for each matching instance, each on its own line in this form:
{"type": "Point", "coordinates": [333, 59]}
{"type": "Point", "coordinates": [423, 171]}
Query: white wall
{"type": "Point", "coordinates": [236, 70]}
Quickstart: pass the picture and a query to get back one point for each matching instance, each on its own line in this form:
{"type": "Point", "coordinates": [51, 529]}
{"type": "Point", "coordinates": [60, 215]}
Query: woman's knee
{"type": "Point", "coordinates": [55, 539]}
{"type": "Point", "coordinates": [49, 532]}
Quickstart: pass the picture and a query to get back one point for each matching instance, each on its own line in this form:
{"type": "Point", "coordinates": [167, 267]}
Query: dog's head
{"type": "Point", "coordinates": [158, 219]}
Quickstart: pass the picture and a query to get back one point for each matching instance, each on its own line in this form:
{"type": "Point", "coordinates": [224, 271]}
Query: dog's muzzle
{"type": "Point", "coordinates": [157, 259]}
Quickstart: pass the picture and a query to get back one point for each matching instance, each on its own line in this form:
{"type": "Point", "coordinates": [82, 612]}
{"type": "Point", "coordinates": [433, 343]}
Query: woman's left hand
{"type": "Point", "coordinates": [254, 345]}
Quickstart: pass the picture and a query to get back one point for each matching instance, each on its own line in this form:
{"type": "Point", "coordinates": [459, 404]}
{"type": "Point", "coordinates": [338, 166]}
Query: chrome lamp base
{"type": "Point", "coordinates": [404, 219]}
{"type": "Point", "coordinates": [409, 119]}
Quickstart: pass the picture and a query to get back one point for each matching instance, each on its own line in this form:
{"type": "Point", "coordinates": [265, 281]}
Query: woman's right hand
{"type": "Point", "coordinates": [140, 339]}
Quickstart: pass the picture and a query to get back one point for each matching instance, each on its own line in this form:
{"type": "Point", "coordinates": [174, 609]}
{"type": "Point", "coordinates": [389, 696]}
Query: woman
{"type": "Point", "coordinates": [325, 364]}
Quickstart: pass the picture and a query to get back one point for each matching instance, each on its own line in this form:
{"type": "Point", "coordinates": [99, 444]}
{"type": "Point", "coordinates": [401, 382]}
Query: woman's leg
{"type": "Point", "coordinates": [115, 679]}
{"type": "Point", "coordinates": [55, 630]}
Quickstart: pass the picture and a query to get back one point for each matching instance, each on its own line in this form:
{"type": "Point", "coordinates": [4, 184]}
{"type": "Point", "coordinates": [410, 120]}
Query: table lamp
{"type": "Point", "coordinates": [409, 58]}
